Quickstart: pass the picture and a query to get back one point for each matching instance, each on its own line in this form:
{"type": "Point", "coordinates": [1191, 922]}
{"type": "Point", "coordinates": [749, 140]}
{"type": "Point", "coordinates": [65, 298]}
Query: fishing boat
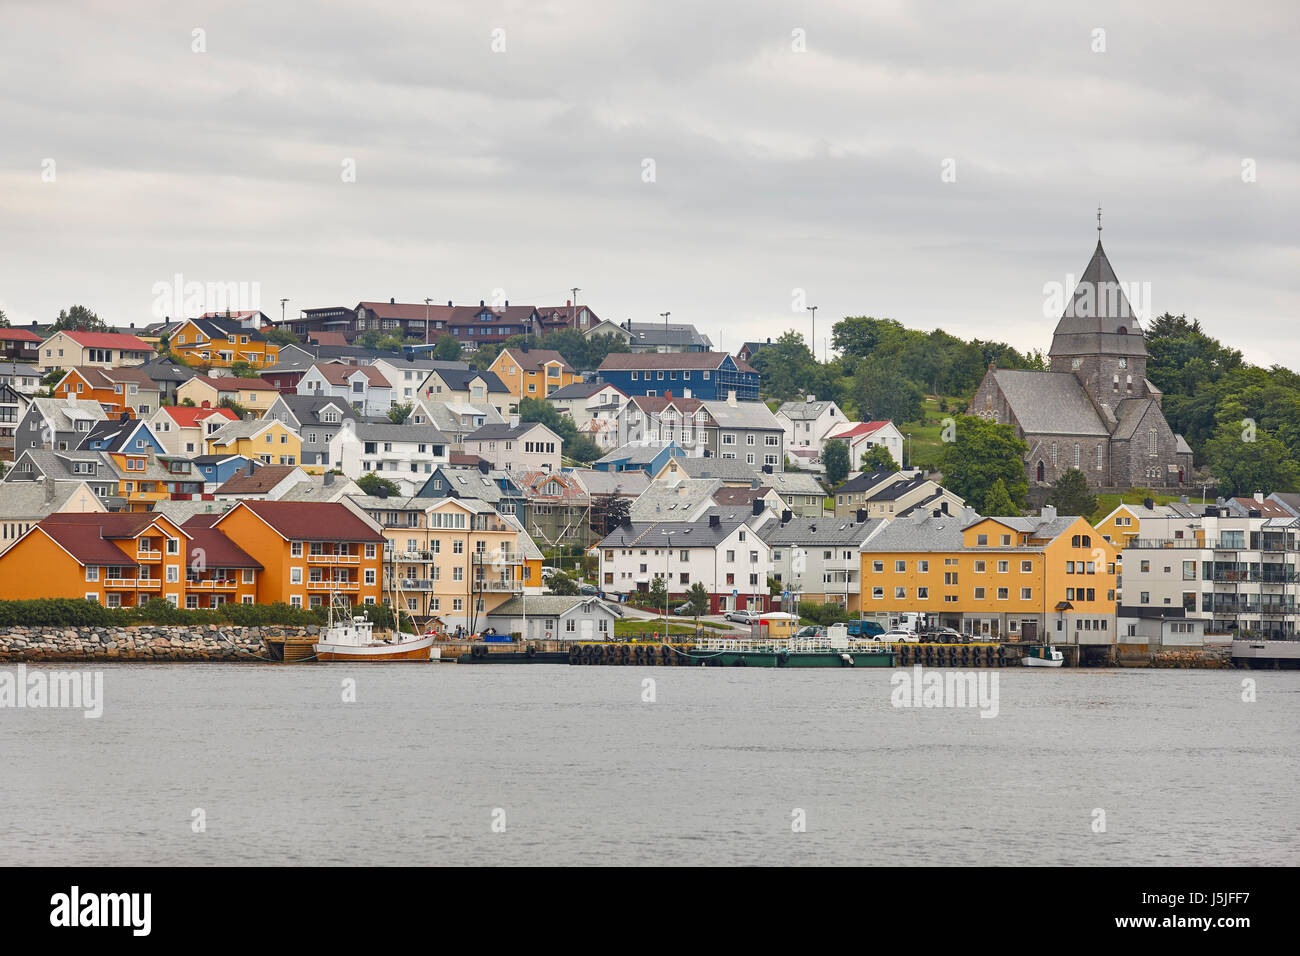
{"type": "Point", "coordinates": [351, 637]}
{"type": "Point", "coordinates": [1045, 656]}
{"type": "Point", "coordinates": [774, 644]}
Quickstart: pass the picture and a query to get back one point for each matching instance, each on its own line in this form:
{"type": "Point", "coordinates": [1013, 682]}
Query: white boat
{"type": "Point", "coordinates": [352, 638]}
{"type": "Point", "coordinates": [1045, 656]}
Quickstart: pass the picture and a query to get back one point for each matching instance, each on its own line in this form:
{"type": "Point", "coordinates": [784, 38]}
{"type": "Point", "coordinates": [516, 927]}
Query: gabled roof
{"type": "Point", "coordinates": [743, 415]}
{"type": "Point", "coordinates": [310, 520]}
{"type": "Point", "coordinates": [551, 605]}
{"type": "Point", "coordinates": [259, 482]}
{"type": "Point", "coordinates": [534, 360]}
{"type": "Point", "coordinates": [115, 434]}
{"type": "Point", "coordinates": [189, 416]}
{"type": "Point", "coordinates": [1049, 403]}
{"type": "Point", "coordinates": [684, 534]}
{"type": "Point", "coordinates": [581, 390]}
{"type": "Point", "coordinates": [337, 374]}
{"type": "Point", "coordinates": [626, 361]}
{"type": "Point", "coordinates": [803, 411]}
{"type": "Point", "coordinates": [503, 432]}
{"type": "Point", "coordinates": [857, 430]}
{"type": "Point", "coordinates": [232, 384]}
{"type": "Point", "coordinates": [108, 340]}
{"type": "Point", "coordinates": [387, 431]}
{"type": "Point", "coordinates": [458, 379]}
{"type": "Point", "coordinates": [628, 484]}
{"type": "Point", "coordinates": [213, 547]}
{"type": "Point", "coordinates": [18, 335]}
{"type": "Point", "coordinates": [246, 428]}
{"type": "Point", "coordinates": [819, 531]}
{"type": "Point", "coordinates": [222, 328]}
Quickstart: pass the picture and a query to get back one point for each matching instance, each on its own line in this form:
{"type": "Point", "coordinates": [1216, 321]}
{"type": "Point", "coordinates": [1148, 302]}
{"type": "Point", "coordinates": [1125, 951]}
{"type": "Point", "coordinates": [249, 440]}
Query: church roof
{"type": "Point", "coordinates": [1049, 403]}
{"type": "Point", "coordinates": [1130, 416]}
{"type": "Point", "coordinates": [1098, 317]}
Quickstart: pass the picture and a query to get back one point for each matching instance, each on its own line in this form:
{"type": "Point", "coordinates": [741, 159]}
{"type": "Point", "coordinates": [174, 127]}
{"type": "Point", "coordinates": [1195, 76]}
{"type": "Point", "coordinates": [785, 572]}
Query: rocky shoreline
{"type": "Point", "coordinates": [145, 642]}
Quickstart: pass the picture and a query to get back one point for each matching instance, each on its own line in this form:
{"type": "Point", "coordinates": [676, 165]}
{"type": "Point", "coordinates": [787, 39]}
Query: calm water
{"type": "Point", "coordinates": [585, 772]}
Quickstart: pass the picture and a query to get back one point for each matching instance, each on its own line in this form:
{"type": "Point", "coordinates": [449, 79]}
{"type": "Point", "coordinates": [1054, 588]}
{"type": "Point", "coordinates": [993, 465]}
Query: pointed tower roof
{"type": "Point", "coordinates": [1098, 318]}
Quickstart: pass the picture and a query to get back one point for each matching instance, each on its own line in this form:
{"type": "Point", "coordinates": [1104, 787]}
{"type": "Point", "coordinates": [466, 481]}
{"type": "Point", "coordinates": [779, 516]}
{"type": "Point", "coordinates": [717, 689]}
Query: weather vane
{"type": "Point", "coordinates": [1099, 220]}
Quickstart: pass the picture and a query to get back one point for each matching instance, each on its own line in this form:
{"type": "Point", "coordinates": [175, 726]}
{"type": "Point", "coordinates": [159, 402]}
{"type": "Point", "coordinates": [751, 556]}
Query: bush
{"type": "Point", "coordinates": [77, 612]}
{"type": "Point", "coordinates": [825, 614]}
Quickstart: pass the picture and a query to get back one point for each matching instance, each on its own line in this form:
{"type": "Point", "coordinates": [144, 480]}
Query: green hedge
{"type": "Point", "coordinates": [825, 614]}
{"type": "Point", "coordinates": [76, 612]}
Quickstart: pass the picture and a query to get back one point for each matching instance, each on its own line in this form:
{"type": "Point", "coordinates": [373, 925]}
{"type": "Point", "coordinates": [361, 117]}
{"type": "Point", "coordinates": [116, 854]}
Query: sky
{"type": "Point", "coordinates": [730, 163]}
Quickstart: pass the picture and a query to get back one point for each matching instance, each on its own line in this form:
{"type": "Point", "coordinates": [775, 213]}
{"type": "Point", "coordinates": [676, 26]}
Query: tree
{"type": "Point", "coordinates": [998, 501]}
{"type": "Point", "coordinates": [599, 346]}
{"type": "Point", "coordinates": [78, 319]}
{"type": "Point", "coordinates": [234, 406]}
{"type": "Point", "coordinates": [885, 393]}
{"type": "Point", "coordinates": [447, 348]}
{"type": "Point", "coordinates": [1242, 467]}
{"type": "Point", "coordinates": [581, 448]}
{"type": "Point", "coordinates": [561, 583]}
{"type": "Point", "coordinates": [698, 598]}
{"type": "Point", "coordinates": [658, 592]}
{"type": "Point", "coordinates": [879, 458]}
{"type": "Point", "coordinates": [1071, 495]}
{"type": "Point", "coordinates": [982, 452]}
{"type": "Point", "coordinates": [398, 414]}
{"type": "Point", "coordinates": [281, 337]}
{"type": "Point", "coordinates": [835, 456]}
{"type": "Point", "coordinates": [788, 369]}
{"type": "Point", "coordinates": [372, 483]}
{"type": "Point", "coordinates": [4, 320]}
{"type": "Point", "coordinates": [242, 369]}
{"type": "Point", "coordinates": [609, 511]}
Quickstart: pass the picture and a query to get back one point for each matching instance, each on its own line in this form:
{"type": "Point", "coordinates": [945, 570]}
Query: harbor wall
{"type": "Point", "coordinates": [145, 642]}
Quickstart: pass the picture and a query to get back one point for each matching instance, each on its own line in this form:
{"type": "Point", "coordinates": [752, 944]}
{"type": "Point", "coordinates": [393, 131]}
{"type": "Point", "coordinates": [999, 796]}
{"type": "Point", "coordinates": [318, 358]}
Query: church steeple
{"type": "Point", "coordinates": [1098, 337]}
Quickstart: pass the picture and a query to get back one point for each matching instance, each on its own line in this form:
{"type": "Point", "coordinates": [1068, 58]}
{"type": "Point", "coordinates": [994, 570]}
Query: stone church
{"type": "Point", "coordinates": [1095, 409]}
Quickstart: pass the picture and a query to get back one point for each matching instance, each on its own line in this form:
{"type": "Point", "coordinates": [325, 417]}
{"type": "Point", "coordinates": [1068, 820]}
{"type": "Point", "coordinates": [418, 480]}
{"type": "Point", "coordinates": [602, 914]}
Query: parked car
{"type": "Point", "coordinates": [810, 630]}
{"type": "Point", "coordinates": [945, 635]}
{"type": "Point", "coordinates": [899, 635]}
{"type": "Point", "coordinates": [547, 571]}
{"type": "Point", "coordinates": [585, 588]}
{"type": "Point", "coordinates": [685, 610]}
{"type": "Point", "coordinates": [740, 617]}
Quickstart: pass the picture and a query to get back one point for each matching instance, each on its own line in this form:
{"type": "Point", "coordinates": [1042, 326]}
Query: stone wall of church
{"type": "Point", "coordinates": [1149, 459]}
{"type": "Point", "coordinates": [1056, 454]}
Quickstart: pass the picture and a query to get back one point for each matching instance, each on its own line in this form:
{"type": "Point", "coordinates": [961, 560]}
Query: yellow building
{"type": "Point", "coordinates": [455, 559]}
{"type": "Point", "coordinates": [533, 373]}
{"type": "Point", "coordinates": [266, 439]}
{"type": "Point", "coordinates": [251, 393]}
{"type": "Point", "coordinates": [1032, 578]}
{"type": "Point", "coordinates": [1149, 520]}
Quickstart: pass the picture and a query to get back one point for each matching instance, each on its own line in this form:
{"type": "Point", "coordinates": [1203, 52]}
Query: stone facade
{"type": "Point", "coordinates": [1094, 410]}
{"type": "Point", "coordinates": [212, 642]}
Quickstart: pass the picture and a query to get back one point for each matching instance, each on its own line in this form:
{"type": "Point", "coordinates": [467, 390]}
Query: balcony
{"type": "Point", "coordinates": [148, 584]}
{"type": "Point", "coordinates": [496, 558]}
{"type": "Point", "coordinates": [498, 587]}
{"type": "Point", "coordinates": [323, 558]}
{"type": "Point", "coordinates": [119, 584]}
{"type": "Point", "coordinates": [148, 555]}
{"type": "Point", "coordinates": [332, 585]}
{"type": "Point", "coordinates": [227, 584]}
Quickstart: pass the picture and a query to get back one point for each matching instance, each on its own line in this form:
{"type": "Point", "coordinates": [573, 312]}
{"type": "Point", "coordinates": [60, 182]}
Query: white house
{"type": "Point", "coordinates": [727, 556]}
{"type": "Point", "coordinates": [555, 617]}
{"type": "Point", "coordinates": [594, 408]}
{"type": "Point", "coordinates": [527, 446]}
{"type": "Point", "coordinates": [862, 436]}
{"type": "Point", "coordinates": [404, 454]}
{"type": "Point", "coordinates": [362, 386]}
{"type": "Point", "coordinates": [184, 429]}
{"type": "Point", "coordinates": [807, 423]}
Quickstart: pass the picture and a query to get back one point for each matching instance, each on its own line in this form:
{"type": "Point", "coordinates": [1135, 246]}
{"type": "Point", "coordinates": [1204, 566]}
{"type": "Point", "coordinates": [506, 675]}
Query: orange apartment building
{"type": "Point", "coordinates": [124, 389]}
{"type": "Point", "coordinates": [1045, 578]}
{"type": "Point", "coordinates": [308, 550]}
{"type": "Point", "coordinates": [122, 559]}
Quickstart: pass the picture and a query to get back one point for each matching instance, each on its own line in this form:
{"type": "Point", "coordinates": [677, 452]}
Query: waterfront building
{"type": "Point", "coordinates": [819, 559]}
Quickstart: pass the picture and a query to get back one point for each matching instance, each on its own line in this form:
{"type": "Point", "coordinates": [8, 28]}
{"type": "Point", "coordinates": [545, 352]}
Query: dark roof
{"type": "Point", "coordinates": [501, 432]}
{"type": "Point", "coordinates": [215, 549]}
{"type": "Point", "coordinates": [863, 482]}
{"type": "Point", "coordinates": [685, 534]}
{"type": "Point", "coordinates": [215, 328]}
{"type": "Point", "coordinates": [458, 379]}
{"type": "Point", "coordinates": [1098, 317]}
{"type": "Point", "coordinates": [620, 361]}
{"type": "Point", "coordinates": [580, 390]}
{"type": "Point", "coordinates": [1049, 403]}
{"type": "Point", "coordinates": [261, 480]}
{"type": "Point", "coordinates": [311, 520]}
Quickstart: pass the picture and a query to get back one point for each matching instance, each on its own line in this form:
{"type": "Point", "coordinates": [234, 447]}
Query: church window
{"type": "Point", "coordinates": [1076, 454]}
{"type": "Point", "coordinates": [1155, 447]}
{"type": "Point", "coordinates": [1040, 478]}
{"type": "Point", "coordinates": [1075, 363]}
{"type": "Point", "coordinates": [1099, 458]}
{"type": "Point", "coordinates": [1129, 384]}
{"type": "Point", "coordinates": [1053, 454]}
{"type": "Point", "coordinates": [1123, 363]}
{"type": "Point", "coordinates": [1115, 383]}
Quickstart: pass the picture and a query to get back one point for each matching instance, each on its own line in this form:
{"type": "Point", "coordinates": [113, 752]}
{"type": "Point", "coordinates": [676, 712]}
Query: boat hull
{"type": "Point", "coordinates": [1039, 662]}
{"type": "Point", "coordinates": [421, 649]}
{"type": "Point", "coordinates": [795, 659]}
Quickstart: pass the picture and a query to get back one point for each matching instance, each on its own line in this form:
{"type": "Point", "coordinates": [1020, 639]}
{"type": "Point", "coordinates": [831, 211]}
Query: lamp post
{"type": "Point", "coordinates": [282, 302]}
{"type": "Point", "coordinates": [426, 320]}
{"type": "Point", "coordinates": [668, 550]}
{"type": "Point", "coordinates": [812, 341]}
{"type": "Point", "coordinates": [664, 316]}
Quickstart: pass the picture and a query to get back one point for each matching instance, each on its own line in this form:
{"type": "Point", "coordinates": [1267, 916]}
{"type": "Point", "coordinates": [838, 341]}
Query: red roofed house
{"type": "Point", "coordinates": [861, 436]}
{"type": "Point", "coordinates": [124, 559]}
{"type": "Point", "coordinates": [309, 550]}
{"type": "Point", "coordinates": [105, 349]}
{"type": "Point", "coordinates": [19, 345]}
{"type": "Point", "coordinates": [183, 429]}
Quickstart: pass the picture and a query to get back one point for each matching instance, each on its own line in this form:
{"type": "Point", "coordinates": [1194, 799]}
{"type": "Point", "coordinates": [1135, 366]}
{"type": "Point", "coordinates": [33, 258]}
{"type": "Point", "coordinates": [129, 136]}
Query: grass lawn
{"type": "Point", "coordinates": [628, 627]}
{"type": "Point", "coordinates": [926, 445]}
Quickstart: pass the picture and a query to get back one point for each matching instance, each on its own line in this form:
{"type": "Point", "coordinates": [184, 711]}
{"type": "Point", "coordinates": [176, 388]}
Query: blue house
{"type": "Point", "coordinates": [216, 469]}
{"type": "Point", "coordinates": [122, 435]}
{"type": "Point", "coordinates": [709, 376]}
{"type": "Point", "coordinates": [640, 457]}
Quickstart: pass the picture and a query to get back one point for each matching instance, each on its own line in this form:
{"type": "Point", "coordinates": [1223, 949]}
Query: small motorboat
{"type": "Point", "coordinates": [1045, 656]}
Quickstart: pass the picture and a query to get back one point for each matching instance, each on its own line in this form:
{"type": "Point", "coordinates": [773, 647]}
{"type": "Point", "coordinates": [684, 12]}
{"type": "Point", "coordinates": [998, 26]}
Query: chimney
{"type": "Point", "coordinates": [862, 515]}
{"type": "Point", "coordinates": [480, 303]}
{"type": "Point", "coordinates": [449, 303]}
{"type": "Point", "coordinates": [919, 515]}
{"type": "Point", "coordinates": [1259, 496]}
{"type": "Point", "coordinates": [1182, 499]}
{"type": "Point", "coordinates": [49, 489]}
{"type": "Point", "coordinates": [731, 397]}
{"type": "Point", "coordinates": [668, 394]}
{"type": "Point", "coordinates": [567, 303]}
{"type": "Point", "coordinates": [483, 467]}
{"type": "Point", "coordinates": [410, 355]}
{"type": "Point", "coordinates": [392, 301]}
{"type": "Point", "coordinates": [943, 506]}
{"type": "Point", "coordinates": [715, 521]}
{"type": "Point", "coordinates": [327, 478]}
{"type": "Point", "coordinates": [248, 469]}
{"type": "Point", "coordinates": [759, 505]}
{"type": "Point", "coordinates": [1049, 512]}
{"type": "Point", "coordinates": [786, 515]}
{"type": "Point", "coordinates": [811, 397]}
{"type": "Point", "coordinates": [1148, 503]}
{"type": "Point", "coordinates": [205, 404]}
{"type": "Point", "coordinates": [507, 303]}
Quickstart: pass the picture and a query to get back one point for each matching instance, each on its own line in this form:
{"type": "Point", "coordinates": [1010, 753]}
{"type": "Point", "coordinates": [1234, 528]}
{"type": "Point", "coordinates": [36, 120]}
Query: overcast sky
{"type": "Point", "coordinates": [775, 168]}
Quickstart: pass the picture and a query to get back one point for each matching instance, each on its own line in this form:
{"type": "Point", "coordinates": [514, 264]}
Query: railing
{"type": "Point", "coordinates": [332, 585]}
{"type": "Point", "coordinates": [148, 555]}
{"type": "Point", "coordinates": [320, 558]}
{"type": "Point", "coordinates": [148, 584]}
{"type": "Point", "coordinates": [211, 585]}
{"type": "Point", "coordinates": [1213, 544]}
{"type": "Point", "coordinates": [125, 584]}
{"type": "Point", "coordinates": [491, 558]}
{"type": "Point", "coordinates": [498, 586]}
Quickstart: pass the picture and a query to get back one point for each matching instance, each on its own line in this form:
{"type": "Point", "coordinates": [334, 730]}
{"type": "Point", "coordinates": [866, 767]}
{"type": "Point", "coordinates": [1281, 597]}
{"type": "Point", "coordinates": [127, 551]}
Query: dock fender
{"type": "Point", "coordinates": [532, 650]}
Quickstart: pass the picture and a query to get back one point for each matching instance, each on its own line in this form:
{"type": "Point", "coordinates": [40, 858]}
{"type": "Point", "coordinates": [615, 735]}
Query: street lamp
{"type": "Point", "coordinates": [812, 342]}
{"type": "Point", "coordinates": [664, 316]}
{"type": "Point", "coordinates": [668, 550]}
{"type": "Point", "coordinates": [282, 302]}
{"type": "Point", "coordinates": [426, 320]}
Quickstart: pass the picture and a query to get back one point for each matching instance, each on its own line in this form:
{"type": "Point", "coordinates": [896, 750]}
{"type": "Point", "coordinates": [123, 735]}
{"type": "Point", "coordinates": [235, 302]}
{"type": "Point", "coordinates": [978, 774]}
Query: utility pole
{"type": "Point", "coordinates": [573, 308]}
{"type": "Point", "coordinates": [426, 320]}
{"type": "Point", "coordinates": [282, 302]}
{"type": "Point", "coordinates": [664, 316]}
{"type": "Point", "coordinates": [812, 341]}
